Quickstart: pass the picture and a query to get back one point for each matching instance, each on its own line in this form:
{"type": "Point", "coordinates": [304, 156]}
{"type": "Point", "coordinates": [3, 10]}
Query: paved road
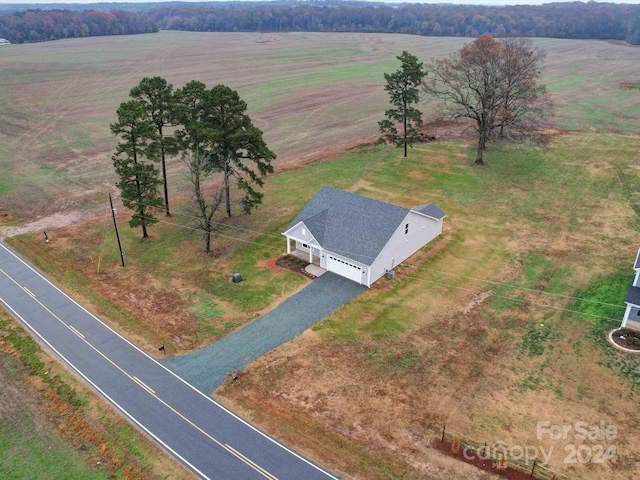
{"type": "Point", "coordinates": [206, 368]}
{"type": "Point", "coordinates": [208, 439]}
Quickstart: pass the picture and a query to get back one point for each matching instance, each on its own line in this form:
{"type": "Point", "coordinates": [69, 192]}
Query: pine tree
{"type": "Point", "coordinates": [402, 87]}
{"type": "Point", "coordinates": [138, 179]}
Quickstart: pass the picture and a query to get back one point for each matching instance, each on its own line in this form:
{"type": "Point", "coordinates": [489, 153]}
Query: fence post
{"type": "Point", "coordinates": [534, 466]}
{"type": "Point", "coordinates": [484, 450]}
{"type": "Point", "coordinates": [443, 429]}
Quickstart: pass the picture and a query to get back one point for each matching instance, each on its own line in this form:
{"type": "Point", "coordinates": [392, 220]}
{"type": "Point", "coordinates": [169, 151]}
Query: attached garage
{"type": "Point", "coordinates": [345, 269]}
{"type": "Point", "coordinates": [361, 238]}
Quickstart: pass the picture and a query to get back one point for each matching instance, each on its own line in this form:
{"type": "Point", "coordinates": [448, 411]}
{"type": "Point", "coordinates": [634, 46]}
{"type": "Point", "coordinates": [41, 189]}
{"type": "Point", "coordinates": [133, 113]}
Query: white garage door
{"type": "Point", "coordinates": [345, 269]}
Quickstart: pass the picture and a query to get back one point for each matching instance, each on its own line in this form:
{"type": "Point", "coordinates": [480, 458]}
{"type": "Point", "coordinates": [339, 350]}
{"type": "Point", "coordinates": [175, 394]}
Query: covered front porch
{"type": "Point", "coordinates": [314, 267]}
{"type": "Point", "coordinates": [633, 325]}
{"type": "Point", "coordinates": [632, 318]}
{"type": "Point", "coordinates": [308, 250]}
{"type": "Point", "coordinates": [306, 256]}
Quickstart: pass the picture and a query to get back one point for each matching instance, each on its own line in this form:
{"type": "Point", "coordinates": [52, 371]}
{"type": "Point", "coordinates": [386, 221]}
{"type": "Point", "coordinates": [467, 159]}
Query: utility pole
{"type": "Point", "coordinates": [113, 214]}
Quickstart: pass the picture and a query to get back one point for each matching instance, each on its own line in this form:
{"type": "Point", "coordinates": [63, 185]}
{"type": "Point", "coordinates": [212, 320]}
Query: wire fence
{"type": "Point", "coordinates": [513, 462]}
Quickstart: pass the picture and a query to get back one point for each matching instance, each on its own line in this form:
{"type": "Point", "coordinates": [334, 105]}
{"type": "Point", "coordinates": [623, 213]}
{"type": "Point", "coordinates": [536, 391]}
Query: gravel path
{"type": "Point", "coordinates": [206, 369]}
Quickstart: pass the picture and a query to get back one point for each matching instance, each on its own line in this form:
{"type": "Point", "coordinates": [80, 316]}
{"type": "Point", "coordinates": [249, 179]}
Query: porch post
{"type": "Point", "coordinates": [625, 317]}
{"type": "Point", "coordinates": [310, 254]}
{"type": "Point", "coordinates": [288, 246]}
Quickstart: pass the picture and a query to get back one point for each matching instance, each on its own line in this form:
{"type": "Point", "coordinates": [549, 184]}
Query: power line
{"type": "Point", "coordinates": [491, 282]}
{"type": "Point", "coordinates": [510, 285]}
{"type": "Point", "coordinates": [262, 233]}
{"type": "Point", "coordinates": [257, 232]}
{"type": "Point", "coordinates": [224, 224]}
{"type": "Point", "coordinates": [515, 299]}
{"type": "Point", "coordinates": [178, 225]}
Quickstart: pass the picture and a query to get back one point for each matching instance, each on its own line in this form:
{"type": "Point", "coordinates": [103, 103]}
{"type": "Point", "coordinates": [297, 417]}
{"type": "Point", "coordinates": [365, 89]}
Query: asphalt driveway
{"type": "Point", "coordinates": [206, 369]}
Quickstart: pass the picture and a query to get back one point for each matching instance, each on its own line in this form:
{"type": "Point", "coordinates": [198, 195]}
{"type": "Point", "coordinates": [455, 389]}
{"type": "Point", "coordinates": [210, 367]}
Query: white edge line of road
{"type": "Point", "coordinates": [222, 407]}
{"type": "Point", "coordinates": [103, 394]}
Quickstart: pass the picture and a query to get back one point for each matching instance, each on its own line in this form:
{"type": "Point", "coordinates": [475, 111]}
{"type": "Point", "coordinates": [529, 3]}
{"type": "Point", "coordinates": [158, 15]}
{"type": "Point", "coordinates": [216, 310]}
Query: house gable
{"type": "Point", "coordinates": [636, 264]}
{"type": "Point", "coordinates": [633, 296]}
{"type": "Point", "coordinates": [429, 210]}
{"type": "Point", "coordinates": [631, 317]}
{"type": "Point", "coordinates": [301, 233]}
{"type": "Point", "coordinates": [413, 233]}
{"type": "Point", "coordinates": [350, 225]}
{"type": "Point", "coordinates": [359, 237]}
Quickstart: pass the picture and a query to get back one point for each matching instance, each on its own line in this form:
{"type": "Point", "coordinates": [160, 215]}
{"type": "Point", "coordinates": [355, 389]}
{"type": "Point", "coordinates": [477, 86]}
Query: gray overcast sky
{"type": "Point", "coordinates": [457, 2]}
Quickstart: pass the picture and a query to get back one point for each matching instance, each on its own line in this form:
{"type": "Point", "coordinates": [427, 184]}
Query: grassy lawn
{"type": "Point", "coordinates": [506, 308]}
{"type": "Point", "coordinates": [497, 325]}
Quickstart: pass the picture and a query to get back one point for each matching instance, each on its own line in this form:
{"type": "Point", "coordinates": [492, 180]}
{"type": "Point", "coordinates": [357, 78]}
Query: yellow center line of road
{"type": "Point", "coordinates": [252, 463]}
{"type": "Point", "coordinates": [150, 391]}
{"type": "Point", "coordinates": [73, 329]}
{"type": "Point", "coordinates": [144, 385]}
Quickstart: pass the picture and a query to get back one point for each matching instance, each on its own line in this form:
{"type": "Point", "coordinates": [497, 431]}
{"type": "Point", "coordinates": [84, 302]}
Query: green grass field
{"type": "Point", "coordinates": [498, 324]}
{"type": "Point", "coordinates": [306, 91]}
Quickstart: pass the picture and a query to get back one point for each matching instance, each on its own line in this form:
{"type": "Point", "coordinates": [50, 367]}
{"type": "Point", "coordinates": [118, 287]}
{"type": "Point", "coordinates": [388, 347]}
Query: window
{"type": "Point", "coordinates": [406, 229]}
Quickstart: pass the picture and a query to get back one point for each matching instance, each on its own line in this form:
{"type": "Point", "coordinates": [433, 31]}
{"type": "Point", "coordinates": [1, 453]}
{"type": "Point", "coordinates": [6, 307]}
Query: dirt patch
{"type": "Point", "coordinates": [49, 222]}
{"type": "Point", "coordinates": [6, 216]}
{"type": "Point", "coordinates": [14, 395]}
{"type": "Point", "coordinates": [476, 302]}
{"type": "Point", "coordinates": [493, 467]}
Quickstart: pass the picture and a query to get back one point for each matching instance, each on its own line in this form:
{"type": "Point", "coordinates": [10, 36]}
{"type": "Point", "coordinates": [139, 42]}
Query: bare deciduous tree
{"type": "Point", "coordinates": [205, 206]}
{"type": "Point", "coordinates": [526, 102]}
{"type": "Point", "coordinates": [494, 85]}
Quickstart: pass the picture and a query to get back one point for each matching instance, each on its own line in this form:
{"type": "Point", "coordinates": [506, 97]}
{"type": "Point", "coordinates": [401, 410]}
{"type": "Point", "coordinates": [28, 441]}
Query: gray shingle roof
{"type": "Point", "coordinates": [633, 296]}
{"type": "Point", "coordinates": [349, 224]}
{"type": "Point", "coordinates": [430, 210]}
{"type": "Point", "coordinates": [636, 265]}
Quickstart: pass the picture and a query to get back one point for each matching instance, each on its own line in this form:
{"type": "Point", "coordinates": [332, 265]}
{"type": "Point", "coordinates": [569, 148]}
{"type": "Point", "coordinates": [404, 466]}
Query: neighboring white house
{"type": "Point", "coordinates": [4, 41]}
{"type": "Point", "coordinates": [631, 319]}
{"type": "Point", "coordinates": [358, 237]}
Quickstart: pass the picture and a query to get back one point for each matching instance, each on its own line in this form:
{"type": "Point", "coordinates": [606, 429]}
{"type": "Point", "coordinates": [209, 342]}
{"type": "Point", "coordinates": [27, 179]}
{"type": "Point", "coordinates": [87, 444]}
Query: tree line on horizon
{"type": "Point", "coordinates": [572, 20]}
{"type": "Point", "coordinates": [31, 26]}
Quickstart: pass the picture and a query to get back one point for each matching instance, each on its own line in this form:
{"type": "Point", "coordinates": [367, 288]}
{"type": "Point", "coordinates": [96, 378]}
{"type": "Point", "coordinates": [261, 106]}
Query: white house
{"type": "Point", "coordinates": [631, 319]}
{"type": "Point", "coordinates": [358, 237]}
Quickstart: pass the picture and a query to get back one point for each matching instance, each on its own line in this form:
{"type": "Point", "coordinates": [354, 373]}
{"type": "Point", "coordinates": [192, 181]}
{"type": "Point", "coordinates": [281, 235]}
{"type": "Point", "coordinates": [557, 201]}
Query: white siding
{"type": "Point", "coordinates": [300, 233]}
{"type": "Point", "coordinates": [402, 245]}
